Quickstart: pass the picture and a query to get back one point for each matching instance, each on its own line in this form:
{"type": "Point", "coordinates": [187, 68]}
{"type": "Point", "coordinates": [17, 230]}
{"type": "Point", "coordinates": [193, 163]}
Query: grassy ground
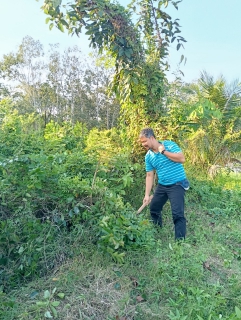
{"type": "Point", "coordinates": [230, 180]}
{"type": "Point", "coordinates": [196, 279]}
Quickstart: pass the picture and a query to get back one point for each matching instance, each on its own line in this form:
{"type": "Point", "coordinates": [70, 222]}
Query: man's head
{"type": "Point", "coordinates": [147, 138]}
{"type": "Point", "coordinates": [147, 133]}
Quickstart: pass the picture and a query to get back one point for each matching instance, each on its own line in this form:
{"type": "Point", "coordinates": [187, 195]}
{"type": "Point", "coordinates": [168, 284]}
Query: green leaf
{"type": "Point", "coordinates": [70, 199]}
{"type": "Point", "coordinates": [121, 51]}
{"type": "Point", "coordinates": [56, 3]}
{"type": "Point", "coordinates": [182, 57]}
{"type": "Point", "coordinates": [21, 249]}
{"type": "Point", "coordinates": [89, 32]}
{"type": "Point", "coordinates": [238, 312]}
{"type": "Point", "coordinates": [42, 303]}
{"type": "Point", "coordinates": [135, 80]}
{"type": "Point", "coordinates": [48, 315]}
{"type": "Point", "coordinates": [55, 303]}
{"type": "Point", "coordinates": [46, 294]}
{"type": "Point", "coordinates": [54, 311]}
{"type": "Point", "coordinates": [128, 53]}
{"type": "Point", "coordinates": [33, 294]}
{"type": "Point", "coordinates": [101, 13]}
{"type": "Point", "coordinates": [51, 26]}
{"type": "Point", "coordinates": [60, 27]}
{"type": "Point", "coordinates": [64, 23]}
{"type": "Point", "coordinates": [61, 295]}
{"type": "Point", "coordinates": [76, 210]}
{"type": "Point", "coordinates": [178, 46]}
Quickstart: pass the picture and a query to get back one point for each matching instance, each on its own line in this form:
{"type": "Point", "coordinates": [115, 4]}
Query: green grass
{"type": "Point", "coordinates": [196, 279]}
{"type": "Point", "coordinates": [231, 180]}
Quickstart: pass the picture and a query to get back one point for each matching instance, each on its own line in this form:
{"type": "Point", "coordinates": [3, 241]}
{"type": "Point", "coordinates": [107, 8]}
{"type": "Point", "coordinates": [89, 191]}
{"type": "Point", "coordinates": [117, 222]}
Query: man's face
{"type": "Point", "coordinates": [147, 143]}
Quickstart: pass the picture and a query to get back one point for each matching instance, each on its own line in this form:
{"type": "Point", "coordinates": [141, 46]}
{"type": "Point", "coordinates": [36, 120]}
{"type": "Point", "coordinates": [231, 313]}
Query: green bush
{"type": "Point", "coordinates": [212, 198]}
{"type": "Point", "coordinates": [26, 250]}
{"type": "Point", "coordinates": [61, 179]}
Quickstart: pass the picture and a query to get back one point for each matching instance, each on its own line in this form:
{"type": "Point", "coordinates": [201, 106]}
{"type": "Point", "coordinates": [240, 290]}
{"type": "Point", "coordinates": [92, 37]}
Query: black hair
{"type": "Point", "coordinates": [147, 133]}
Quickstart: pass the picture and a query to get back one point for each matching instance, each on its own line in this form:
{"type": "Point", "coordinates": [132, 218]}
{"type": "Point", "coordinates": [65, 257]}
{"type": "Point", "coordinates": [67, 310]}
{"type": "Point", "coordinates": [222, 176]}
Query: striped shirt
{"type": "Point", "coordinates": [168, 171]}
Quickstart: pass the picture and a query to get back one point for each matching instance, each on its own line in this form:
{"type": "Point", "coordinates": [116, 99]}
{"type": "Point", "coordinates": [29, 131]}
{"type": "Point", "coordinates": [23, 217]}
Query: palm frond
{"type": "Point", "coordinates": [233, 94]}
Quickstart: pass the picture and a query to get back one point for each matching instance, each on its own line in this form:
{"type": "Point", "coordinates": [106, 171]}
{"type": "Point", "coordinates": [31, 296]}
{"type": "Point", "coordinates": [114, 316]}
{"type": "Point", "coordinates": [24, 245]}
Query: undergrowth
{"type": "Point", "coordinates": [73, 247]}
{"type": "Point", "coordinates": [196, 279]}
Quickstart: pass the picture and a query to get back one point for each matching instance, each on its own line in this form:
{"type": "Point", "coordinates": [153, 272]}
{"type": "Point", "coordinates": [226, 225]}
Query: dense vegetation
{"type": "Point", "coordinates": [68, 220]}
{"type": "Point", "coordinates": [72, 177]}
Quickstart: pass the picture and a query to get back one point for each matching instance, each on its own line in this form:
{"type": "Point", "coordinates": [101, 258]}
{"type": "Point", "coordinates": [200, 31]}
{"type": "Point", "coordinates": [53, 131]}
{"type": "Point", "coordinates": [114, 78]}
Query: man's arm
{"type": "Point", "coordinates": [149, 184]}
{"type": "Point", "coordinates": [176, 157]}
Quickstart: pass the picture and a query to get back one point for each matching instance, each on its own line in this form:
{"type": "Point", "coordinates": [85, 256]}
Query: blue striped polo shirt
{"type": "Point", "coordinates": [168, 171]}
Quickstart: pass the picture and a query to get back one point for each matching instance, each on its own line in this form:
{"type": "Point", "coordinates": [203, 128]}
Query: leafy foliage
{"type": "Point", "coordinates": [139, 49]}
{"type": "Point", "coordinates": [51, 183]}
{"type": "Point", "coordinates": [203, 116]}
{"type": "Point", "coordinates": [70, 190]}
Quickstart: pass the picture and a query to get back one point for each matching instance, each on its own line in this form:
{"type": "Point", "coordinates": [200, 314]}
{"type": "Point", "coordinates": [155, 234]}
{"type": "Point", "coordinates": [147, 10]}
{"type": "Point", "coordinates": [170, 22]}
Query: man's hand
{"type": "Point", "coordinates": [175, 157]}
{"type": "Point", "coordinates": [146, 200]}
{"type": "Point", "coordinates": [161, 148]}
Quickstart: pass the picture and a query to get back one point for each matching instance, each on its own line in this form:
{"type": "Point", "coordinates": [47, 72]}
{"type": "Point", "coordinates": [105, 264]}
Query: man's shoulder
{"type": "Point", "coordinates": [148, 154]}
{"type": "Point", "coordinates": [169, 144]}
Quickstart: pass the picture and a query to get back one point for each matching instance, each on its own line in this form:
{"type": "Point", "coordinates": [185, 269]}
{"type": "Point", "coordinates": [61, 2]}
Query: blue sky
{"type": "Point", "coordinates": [212, 29]}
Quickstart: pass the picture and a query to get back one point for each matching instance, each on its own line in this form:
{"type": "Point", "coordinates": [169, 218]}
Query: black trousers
{"type": "Point", "coordinates": [175, 194]}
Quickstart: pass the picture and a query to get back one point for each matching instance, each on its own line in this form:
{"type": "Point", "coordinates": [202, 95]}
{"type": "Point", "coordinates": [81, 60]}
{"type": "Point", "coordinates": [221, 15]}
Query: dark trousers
{"type": "Point", "coordinates": [175, 194]}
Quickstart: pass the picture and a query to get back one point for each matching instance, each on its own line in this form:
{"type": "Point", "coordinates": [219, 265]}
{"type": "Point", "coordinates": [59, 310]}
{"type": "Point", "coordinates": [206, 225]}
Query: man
{"type": "Point", "coordinates": [167, 159]}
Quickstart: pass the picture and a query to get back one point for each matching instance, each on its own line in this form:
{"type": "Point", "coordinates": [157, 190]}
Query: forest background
{"type": "Point", "coordinates": [72, 174]}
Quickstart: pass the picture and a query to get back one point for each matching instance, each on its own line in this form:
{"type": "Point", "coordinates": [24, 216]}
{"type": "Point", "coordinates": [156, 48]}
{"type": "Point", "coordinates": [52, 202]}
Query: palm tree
{"type": "Point", "coordinates": [217, 141]}
{"type": "Point", "coordinates": [225, 96]}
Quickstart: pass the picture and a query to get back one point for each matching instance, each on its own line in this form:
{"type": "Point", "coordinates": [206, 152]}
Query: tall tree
{"type": "Point", "coordinates": [25, 70]}
{"type": "Point", "coordinates": [66, 86]}
{"type": "Point", "coordinates": [138, 39]}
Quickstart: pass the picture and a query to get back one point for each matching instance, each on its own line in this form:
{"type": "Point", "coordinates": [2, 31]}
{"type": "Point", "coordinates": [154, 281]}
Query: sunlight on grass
{"type": "Point", "coordinates": [229, 181]}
